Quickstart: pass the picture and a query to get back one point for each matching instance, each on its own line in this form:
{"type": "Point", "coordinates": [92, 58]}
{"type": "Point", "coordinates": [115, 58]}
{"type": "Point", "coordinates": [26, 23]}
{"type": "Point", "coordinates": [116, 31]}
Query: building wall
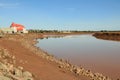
{"type": "Point", "coordinates": [14, 28]}
{"type": "Point", "coordinates": [8, 30]}
{"type": "Point", "coordinates": [24, 30]}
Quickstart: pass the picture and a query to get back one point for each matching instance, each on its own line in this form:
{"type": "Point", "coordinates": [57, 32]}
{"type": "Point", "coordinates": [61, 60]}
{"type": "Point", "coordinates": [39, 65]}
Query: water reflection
{"type": "Point", "coordinates": [98, 55]}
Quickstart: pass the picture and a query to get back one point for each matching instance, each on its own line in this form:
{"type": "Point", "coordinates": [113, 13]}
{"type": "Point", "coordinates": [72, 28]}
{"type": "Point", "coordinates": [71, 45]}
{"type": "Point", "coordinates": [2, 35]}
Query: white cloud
{"type": "Point", "coordinates": [9, 5]}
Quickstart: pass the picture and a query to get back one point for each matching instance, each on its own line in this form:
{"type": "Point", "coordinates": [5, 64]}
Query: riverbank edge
{"type": "Point", "coordinates": [29, 41]}
{"type": "Point", "coordinates": [66, 65]}
{"type": "Point", "coordinates": [113, 36]}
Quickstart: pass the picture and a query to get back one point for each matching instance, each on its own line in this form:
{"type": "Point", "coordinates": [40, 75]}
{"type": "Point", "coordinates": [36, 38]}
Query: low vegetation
{"type": "Point", "coordinates": [57, 31]}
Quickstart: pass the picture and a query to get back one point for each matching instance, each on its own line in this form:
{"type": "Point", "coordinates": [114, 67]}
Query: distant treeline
{"type": "Point", "coordinates": [55, 31]}
{"type": "Point", "coordinates": [65, 31]}
{"type": "Point", "coordinates": [42, 31]}
{"type": "Point", "coordinates": [109, 31]}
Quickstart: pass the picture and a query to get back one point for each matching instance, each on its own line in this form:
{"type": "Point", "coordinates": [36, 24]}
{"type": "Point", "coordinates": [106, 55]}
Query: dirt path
{"type": "Point", "coordinates": [41, 68]}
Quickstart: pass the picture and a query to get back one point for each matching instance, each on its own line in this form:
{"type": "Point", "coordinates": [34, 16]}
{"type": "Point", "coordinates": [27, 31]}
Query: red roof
{"type": "Point", "coordinates": [18, 26]}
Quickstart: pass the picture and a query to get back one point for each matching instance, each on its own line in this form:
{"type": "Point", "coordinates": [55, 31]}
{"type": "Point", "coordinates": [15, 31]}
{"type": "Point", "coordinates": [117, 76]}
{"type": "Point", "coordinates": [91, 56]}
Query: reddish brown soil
{"type": "Point", "coordinates": [114, 36]}
{"type": "Point", "coordinates": [41, 68]}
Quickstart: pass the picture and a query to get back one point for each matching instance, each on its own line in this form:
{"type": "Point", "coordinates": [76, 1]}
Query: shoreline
{"type": "Point", "coordinates": [29, 41]}
{"type": "Point", "coordinates": [113, 36]}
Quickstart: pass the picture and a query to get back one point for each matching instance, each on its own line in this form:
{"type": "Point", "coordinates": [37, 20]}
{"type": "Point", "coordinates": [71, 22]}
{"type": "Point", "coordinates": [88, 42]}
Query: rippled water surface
{"type": "Point", "coordinates": [101, 56]}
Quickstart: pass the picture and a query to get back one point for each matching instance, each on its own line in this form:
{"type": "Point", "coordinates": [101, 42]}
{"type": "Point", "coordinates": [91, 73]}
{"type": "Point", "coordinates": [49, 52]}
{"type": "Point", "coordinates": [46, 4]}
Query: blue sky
{"type": "Point", "coordinates": [61, 14]}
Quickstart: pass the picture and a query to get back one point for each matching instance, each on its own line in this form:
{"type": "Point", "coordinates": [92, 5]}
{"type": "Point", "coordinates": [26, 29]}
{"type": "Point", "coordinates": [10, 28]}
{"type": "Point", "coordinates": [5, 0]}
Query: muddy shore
{"type": "Point", "coordinates": [42, 65]}
{"type": "Point", "coordinates": [113, 36]}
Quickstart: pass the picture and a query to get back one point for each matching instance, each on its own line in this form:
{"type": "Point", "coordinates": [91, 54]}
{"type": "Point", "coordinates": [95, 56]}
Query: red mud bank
{"type": "Point", "coordinates": [42, 65]}
{"type": "Point", "coordinates": [115, 36]}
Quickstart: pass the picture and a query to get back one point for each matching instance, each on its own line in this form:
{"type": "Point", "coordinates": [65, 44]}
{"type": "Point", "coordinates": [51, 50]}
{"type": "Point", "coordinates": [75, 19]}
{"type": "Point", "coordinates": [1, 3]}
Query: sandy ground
{"type": "Point", "coordinates": [41, 68]}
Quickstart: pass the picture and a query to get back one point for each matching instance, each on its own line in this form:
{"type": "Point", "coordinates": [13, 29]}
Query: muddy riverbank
{"type": "Point", "coordinates": [114, 36]}
{"type": "Point", "coordinates": [41, 64]}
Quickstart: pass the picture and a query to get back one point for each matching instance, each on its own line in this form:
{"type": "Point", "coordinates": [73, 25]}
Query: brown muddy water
{"type": "Point", "coordinates": [97, 55]}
